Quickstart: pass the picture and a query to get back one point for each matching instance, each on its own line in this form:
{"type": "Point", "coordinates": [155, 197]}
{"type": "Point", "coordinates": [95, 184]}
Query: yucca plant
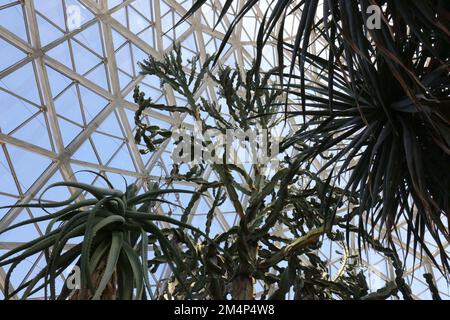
{"type": "Point", "coordinates": [372, 82]}
{"type": "Point", "coordinates": [116, 229]}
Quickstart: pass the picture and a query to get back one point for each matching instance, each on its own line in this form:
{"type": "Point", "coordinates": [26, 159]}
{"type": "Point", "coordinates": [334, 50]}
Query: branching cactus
{"type": "Point", "coordinates": [274, 194]}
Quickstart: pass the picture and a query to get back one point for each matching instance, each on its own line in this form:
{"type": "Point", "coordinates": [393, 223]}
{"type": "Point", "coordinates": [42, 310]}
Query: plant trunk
{"type": "Point", "coordinates": [243, 288]}
{"type": "Point", "coordinates": [243, 283]}
{"type": "Point", "coordinates": [110, 292]}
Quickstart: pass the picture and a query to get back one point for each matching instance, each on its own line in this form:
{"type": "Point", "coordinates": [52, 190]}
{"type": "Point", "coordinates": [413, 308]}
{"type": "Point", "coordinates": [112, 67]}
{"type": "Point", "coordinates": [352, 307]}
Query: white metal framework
{"type": "Point", "coordinates": [67, 71]}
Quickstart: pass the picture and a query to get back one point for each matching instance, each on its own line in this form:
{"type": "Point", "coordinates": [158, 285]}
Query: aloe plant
{"type": "Point", "coordinates": [116, 229]}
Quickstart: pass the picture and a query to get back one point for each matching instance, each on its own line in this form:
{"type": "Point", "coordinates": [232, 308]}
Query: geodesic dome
{"type": "Point", "coordinates": [67, 75]}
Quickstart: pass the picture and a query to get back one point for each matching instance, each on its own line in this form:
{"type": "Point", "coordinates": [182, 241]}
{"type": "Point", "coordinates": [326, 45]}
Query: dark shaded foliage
{"type": "Point", "coordinates": [378, 104]}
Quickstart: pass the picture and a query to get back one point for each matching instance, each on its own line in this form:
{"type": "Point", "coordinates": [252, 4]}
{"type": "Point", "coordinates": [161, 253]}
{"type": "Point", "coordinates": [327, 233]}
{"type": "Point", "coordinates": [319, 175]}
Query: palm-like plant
{"type": "Point", "coordinates": [374, 97]}
{"type": "Point", "coordinates": [393, 152]}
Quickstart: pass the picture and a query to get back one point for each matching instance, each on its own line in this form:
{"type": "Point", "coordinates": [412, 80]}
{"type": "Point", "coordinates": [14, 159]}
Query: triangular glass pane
{"type": "Point", "coordinates": [68, 105]}
{"type": "Point", "coordinates": [123, 159]}
{"type": "Point", "coordinates": [7, 178]}
{"type": "Point", "coordinates": [85, 60]}
{"type": "Point", "coordinates": [143, 7]}
{"type": "Point", "coordinates": [14, 111]}
{"type": "Point", "coordinates": [93, 103]}
{"type": "Point", "coordinates": [148, 36]}
{"type": "Point", "coordinates": [91, 37]}
{"type": "Point", "coordinates": [35, 132]}
{"type": "Point", "coordinates": [77, 13]}
{"type": "Point", "coordinates": [138, 56]}
{"type": "Point", "coordinates": [86, 177]}
{"type": "Point", "coordinates": [137, 21]}
{"type": "Point", "coordinates": [86, 153]}
{"type": "Point", "coordinates": [121, 16]}
{"type": "Point", "coordinates": [124, 79]}
{"type": "Point", "coordinates": [124, 61]}
{"type": "Point", "coordinates": [58, 81]}
{"type": "Point", "coordinates": [68, 130]}
{"type": "Point", "coordinates": [111, 126]}
{"type": "Point", "coordinates": [23, 83]}
{"type": "Point", "coordinates": [118, 39]}
{"type": "Point", "coordinates": [114, 3]}
{"type": "Point", "coordinates": [22, 160]}
{"type": "Point", "coordinates": [12, 18]}
{"type": "Point", "coordinates": [10, 54]}
{"type": "Point", "coordinates": [47, 31]}
{"type": "Point", "coordinates": [98, 76]}
{"type": "Point", "coordinates": [106, 146]}
{"type": "Point", "coordinates": [62, 54]}
{"type": "Point", "coordinates": [118, 180]}
{"type": "Point", "coordinates": [53, 10]}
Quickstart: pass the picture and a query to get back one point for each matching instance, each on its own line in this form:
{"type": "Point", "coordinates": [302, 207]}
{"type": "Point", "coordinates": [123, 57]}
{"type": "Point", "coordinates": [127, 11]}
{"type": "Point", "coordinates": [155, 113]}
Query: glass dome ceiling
{"type": "Point", "coordinates": [67, 72]}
